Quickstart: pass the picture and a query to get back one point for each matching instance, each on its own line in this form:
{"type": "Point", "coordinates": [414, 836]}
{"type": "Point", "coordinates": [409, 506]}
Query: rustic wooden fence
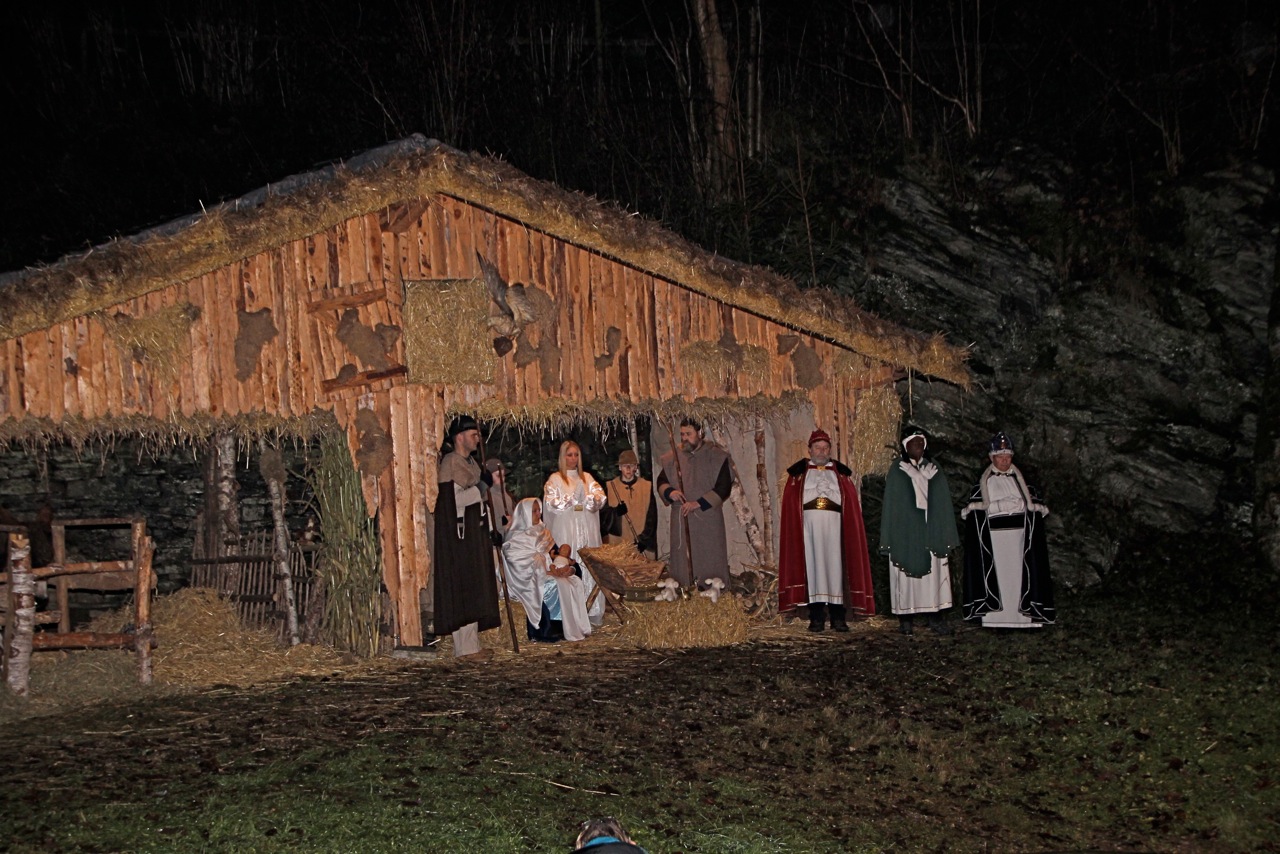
{"type": "Point", "coordinates": [248, 577]}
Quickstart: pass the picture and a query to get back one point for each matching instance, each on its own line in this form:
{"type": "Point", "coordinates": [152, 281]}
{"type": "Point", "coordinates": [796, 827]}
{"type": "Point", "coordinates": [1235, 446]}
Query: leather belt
{"type": "Point", "coordinates": [822, 503]}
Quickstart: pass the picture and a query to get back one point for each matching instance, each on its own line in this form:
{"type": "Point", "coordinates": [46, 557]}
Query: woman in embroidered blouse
{"type": "Point", "coordinates": [571, 502]}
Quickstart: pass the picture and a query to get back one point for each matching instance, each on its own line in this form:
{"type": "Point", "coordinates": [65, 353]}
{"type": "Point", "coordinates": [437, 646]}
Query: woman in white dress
{"type": "Point", "coordinates": [547, 585]}
{"type": "Point", "coordinates": [571, 502]}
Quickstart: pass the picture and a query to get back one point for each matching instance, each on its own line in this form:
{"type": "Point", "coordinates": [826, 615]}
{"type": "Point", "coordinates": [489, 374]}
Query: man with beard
{"type": "Point", "coordinates": [463, 579]}
{"type": "Point", "coordinates": [695, 482]}
{"type": "Point", "coordinates": [823, 556]}
{"type": "Point", "coordinates": [1006, 560]}
{"type": "Point", "coordinates": [917, 533]}
{"type": "Point", "coordinates": [633, 514]}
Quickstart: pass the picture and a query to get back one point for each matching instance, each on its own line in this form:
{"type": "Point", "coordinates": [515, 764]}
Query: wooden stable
{"type": "Point", "coordinates": [305, 297]}
{"type": "Point", "coordinates": [22, 586]}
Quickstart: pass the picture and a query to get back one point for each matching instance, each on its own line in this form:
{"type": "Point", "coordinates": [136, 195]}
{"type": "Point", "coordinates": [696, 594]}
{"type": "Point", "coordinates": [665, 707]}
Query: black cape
{"type": "Point", "coordinates": [981, 592]}
{"type": "Point", "coordinates": [463, 580]}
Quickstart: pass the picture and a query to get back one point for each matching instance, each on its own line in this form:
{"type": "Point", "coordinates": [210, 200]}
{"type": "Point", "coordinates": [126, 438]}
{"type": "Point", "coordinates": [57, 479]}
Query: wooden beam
{"type": "Point", "coordinates": [347, 301]}
{"type": "Point", "coordinates": [361, 379]}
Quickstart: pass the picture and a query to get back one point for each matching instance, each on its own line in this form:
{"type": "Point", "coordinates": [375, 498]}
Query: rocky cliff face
{"type": "Point", "coordinates": [1123, 351]}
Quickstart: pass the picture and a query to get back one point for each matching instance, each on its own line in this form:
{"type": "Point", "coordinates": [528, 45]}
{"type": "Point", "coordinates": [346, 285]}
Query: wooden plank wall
{"type": "Point", "coordinates": [76, 369]}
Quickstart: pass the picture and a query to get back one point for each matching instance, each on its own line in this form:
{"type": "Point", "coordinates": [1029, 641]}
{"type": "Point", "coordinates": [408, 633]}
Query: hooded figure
{"type": "Point", "coordinates": [917, 533]}
{"type": "Point", "coordinates": [823, 556]}
{"type": "Point", "coordinates": [1006, 560]}
{"type": "Point", "coordinates": [553, 596]}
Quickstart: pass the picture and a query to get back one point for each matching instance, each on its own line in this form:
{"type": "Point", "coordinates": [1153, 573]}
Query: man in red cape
{"type": "Point", "coordinates": [823, 561]}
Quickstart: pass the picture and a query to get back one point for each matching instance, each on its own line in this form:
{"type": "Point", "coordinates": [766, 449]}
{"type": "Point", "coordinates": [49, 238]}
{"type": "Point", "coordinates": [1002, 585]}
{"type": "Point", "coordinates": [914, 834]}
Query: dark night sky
{"type": "Point", "coordinates": [122, 116]}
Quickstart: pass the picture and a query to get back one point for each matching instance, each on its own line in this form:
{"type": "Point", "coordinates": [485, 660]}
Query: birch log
{"type": "Point", "coordinates": [22, 615]}
{"type": "Point", "coordinates": [766, 492]}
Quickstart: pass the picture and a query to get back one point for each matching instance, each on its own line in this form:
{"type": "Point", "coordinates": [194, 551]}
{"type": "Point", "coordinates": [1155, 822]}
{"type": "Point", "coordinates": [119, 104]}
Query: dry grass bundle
{"type": "Point", "coordinates": [351, 562]}
{"type": "Point", "coordinates": [161, 340]}
{"type": "Point", "coordinates": [563, 414]}
{"type": "Point", "coordinates": [610, 564]}
{"type": "Point", "coordinates": [201, 642]}
{"type": "Point", "coordinates": [446, 332]}
{"type": "Point", "coordinates": [875, 429]}
{"type": "Point", "coordinates": [692, 622]}
{"type": "Point", "coordinates": [157, 437]}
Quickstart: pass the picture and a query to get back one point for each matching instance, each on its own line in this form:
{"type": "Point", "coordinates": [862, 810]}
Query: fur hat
{"type": "Point", "coordinates": [462, 424]}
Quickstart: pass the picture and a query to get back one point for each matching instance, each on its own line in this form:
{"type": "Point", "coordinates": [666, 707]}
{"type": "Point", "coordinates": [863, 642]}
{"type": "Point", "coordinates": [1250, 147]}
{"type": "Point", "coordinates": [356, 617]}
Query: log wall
{"type": "Point", "coordinates": [80, 370]}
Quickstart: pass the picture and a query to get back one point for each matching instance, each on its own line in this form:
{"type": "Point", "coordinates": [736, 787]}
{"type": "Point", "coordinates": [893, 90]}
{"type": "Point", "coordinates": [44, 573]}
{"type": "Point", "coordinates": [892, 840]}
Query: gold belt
{"type": "Point", "coordinates": [822, 503]}
{"type": "Point", "coordinates": [578, 508]}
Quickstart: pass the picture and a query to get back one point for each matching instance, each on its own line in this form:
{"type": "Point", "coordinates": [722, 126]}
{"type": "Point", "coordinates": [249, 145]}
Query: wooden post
{"type": "Point", "coordinates": [143, 551]}
{"type": "Point", "coordinates": [273, 472]}
{"type": "Point", "coordinates": [20, 621]}
{"type": "Point", "coordinates": [61, 585]}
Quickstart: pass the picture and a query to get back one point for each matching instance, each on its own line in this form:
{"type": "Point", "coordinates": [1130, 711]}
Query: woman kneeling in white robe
{"type": "Point", "coordinates": [547, 586]}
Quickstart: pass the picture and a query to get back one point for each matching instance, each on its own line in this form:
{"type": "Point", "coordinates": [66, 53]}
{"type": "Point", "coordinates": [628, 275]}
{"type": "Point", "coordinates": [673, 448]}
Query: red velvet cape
{"type": "Point", "coordinates": [793, 585]}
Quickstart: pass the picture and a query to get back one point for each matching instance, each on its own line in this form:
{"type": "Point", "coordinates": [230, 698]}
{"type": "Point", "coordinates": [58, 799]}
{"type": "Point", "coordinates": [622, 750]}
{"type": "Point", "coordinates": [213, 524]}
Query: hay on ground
{"type": "Point", "coordinates": [692, 622]}
{"type": "Point", "coordinates": [201, 642]}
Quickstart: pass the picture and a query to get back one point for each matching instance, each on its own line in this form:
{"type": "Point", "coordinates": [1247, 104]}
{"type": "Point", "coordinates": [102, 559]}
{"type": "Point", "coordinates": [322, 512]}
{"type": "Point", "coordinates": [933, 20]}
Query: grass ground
{"type": "Point", "coordinates": [1109, 731]}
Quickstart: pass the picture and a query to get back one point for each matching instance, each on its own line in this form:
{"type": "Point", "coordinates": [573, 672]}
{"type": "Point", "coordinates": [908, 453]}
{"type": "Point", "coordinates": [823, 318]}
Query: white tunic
{"type": "Point", "coordinates": [1007, 548]}
{"type": "Point", "coordinates": [823, 561]}
{"type": "Point", "coordinates": [571, 507]}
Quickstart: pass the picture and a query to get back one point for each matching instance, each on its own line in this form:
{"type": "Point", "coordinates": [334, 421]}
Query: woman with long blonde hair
{"type": "Point", "coordinates": [571, 502]}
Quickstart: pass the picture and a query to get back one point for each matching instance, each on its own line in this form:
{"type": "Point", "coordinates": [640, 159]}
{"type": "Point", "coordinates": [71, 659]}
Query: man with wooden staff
{"type": "Point", "coordinates": [463, 579]}
{"type": "Point", "coordinates": [695, 481]}
{"type": "Point", "coordinates": [823, 559]}
{"type": "Point", "coordinates": [632, 512]}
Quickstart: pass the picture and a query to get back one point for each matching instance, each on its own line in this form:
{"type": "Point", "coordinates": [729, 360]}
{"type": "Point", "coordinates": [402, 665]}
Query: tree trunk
{"type": "Point", "coordinates": [1266, 508]}
{"type": "Point", "coordinates": [222, 510]}
{"type": "Point", "coordinates": [722, 146]}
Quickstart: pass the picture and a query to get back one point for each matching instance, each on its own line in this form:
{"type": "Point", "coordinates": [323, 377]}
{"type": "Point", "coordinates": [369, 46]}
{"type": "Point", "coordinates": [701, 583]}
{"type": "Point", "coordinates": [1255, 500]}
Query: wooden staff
{"type": "Point", "coordinates": [497, 555]}
{"type": "Point", "coordinates": [688, 546]}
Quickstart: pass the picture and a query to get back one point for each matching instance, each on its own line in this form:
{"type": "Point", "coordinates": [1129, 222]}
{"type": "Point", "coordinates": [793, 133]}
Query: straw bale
{"type": "Point", "coordinates": [875, 429]}
{"type": "Point", "coordinates": [161, 340]}
{"type": "Point", "coordinates": [447, 337]}
{"type": "Point", "coordinates": [692, 622]}
{"type": "Point", "coordinates": [717, 363]}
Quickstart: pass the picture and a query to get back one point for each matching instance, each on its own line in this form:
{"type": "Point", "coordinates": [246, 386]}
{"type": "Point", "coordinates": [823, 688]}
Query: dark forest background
{"type": "Point", "coordinates": [755, 128]}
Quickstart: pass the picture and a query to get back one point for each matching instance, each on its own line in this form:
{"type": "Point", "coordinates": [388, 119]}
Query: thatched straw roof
{"type": "Point", "coordinates": [415, 168]}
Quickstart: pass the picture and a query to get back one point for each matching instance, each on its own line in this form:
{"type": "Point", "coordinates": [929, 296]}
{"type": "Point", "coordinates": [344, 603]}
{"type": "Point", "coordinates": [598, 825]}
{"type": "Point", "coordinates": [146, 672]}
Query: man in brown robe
{"type": "Point", "coordinates": [695, 484]}
{"type": "Point", "coordinates": [463, 578]}
{"type": "Point", "coordinates": [632, 509]}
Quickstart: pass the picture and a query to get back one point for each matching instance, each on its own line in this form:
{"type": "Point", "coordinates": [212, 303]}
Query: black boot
{"type": "Point", "coordinates": [817, 616]}
{"type": "Point", "coordinates": [837, 617]}
{"type": "Point", "coordinates": [906, 624]}
{"type": "Point", "coordinates": [938, 625]}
